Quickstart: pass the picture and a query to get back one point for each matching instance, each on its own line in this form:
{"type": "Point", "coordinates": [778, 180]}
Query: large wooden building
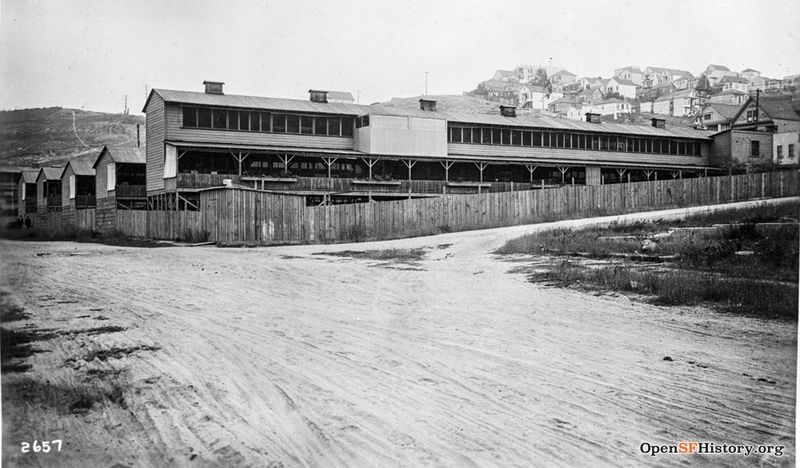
{"type": "Point", "coordinates": [328, 150]}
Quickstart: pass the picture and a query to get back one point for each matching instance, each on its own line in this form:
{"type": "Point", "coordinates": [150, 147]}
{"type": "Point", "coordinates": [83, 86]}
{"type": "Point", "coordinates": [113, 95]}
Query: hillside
{"type": "Point", "coordinates": [449, 103]}
{"type": "Point", "coordinates": [35, 137]}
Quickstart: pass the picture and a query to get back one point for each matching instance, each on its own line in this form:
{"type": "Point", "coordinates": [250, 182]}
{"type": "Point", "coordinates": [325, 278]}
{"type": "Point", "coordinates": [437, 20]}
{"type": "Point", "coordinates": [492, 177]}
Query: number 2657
{"type": "Point", "coordinates": [44, 446]}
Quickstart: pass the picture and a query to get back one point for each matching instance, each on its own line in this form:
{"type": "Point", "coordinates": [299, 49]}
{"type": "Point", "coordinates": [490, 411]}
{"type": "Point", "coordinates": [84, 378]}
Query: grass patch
{"type": "Point", "coordinates": [742, 266]}
{"type": "Point", "coordinates": [116, 353]}
{"type": "Point", "coordinates": [763, 299]}
{"type": "Point", "coordinates": [17, 345]}
{"type": "Point", "coordinates": [398, 255]}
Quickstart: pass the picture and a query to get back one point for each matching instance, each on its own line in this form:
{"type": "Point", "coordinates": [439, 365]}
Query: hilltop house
{"type": "Point", "coordinates": [561, 105]}
{"type": "Point", "coordinates": [562, 77]}
{"type": "Point", "coordinates": [730, 96]}
{"type": "Point", "coordinates": [533, 97]}
{"type": "Point", "coordinates": [590, 95]}
{"type": "Point", "coordinates": [625, 88]}
{"type": "Point", "coordinates": [733, 82]}
{"type": "Point", "coordinates": [613, 107]}
{"type": "Point", "coordinates": [750, 74]}
{"type": "Point", "coordinates": [630, 73]}
{"type": "Point", "coordinates": [714, 73]}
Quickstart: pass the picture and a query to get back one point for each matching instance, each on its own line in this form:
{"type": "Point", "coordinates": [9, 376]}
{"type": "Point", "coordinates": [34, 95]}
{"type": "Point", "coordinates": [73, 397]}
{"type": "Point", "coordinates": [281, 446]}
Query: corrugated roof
{"type": "Point", "coordinates": [297, 105]}
{"type": "Point", "coordinates": [727, 111]}
{"type": "Point", "coordinates": [544, 122]}
{"type": "Point", "coordinates": [125, 155]}
{"type": "Point", "coordinates": [254, 102]}
{"type": "Point", "coordinates": [82, 165]}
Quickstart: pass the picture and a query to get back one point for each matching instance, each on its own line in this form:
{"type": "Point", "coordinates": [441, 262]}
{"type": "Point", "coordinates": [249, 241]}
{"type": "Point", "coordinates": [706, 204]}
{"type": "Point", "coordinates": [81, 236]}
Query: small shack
{"type": "Point", "coordinates": [48, 197]}
{"type": "Point", "coordinates": [120, 185]}
{"type": "Point", "coordinates": [27, 193]}
{"type": "Point", "coordinates": [77, 192]}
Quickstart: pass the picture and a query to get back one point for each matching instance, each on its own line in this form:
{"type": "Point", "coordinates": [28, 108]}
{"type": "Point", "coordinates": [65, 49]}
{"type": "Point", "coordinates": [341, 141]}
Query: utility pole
{"type": "Point", "coordinates": [125, 108]}
{"type": "Point", "coordinates": [358, 97]}
{"type": "Point", "coordinates": [426, 83]}
{"type": "Point", "coordinates": [146, 91]}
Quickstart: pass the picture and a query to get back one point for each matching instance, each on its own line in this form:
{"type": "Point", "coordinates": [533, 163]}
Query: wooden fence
{"type": "Point", "coordinates": [233, 216]}
{"type": "Point", "coordinates": [241, 217]}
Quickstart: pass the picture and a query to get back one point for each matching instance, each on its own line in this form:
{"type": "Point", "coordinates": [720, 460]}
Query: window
{"type": "Point", "coordinates": [266, 122]}
{"type": "Point", "coordinates": [455, 134]}
{"type": "Point", "coordinates": [362, 121]}
{"type": "Point", "coordinates": [751, 115]}
{"type": "Point", "coordinates": [755, 149]}
{"type": "Point", "coordinates": [526, 138]}
{"type": "Point", "coordinates": [506, 137]}
{"type": "Point", "coordinates": [306, 125]}
{"type": "Point", "coordinates": [780, 152]}
{"type": "Point", "coordinates": [279, 123]}
{"type": "Point", "coordinates": [467, 135]}
{"type": "Point", "coordinates": [189, 117]}
{"type": "Point", "coordinates": [292, 123]}
{"type": "Point", "coordinates": [495, 136]}
{"type": "Point", "coordinates": [244, 121]}
{"type": "Point", "coordinates": [706, 116]}
{"type": "Point", "coordinates": [516, 138]}
{"type": "Point", "coordinates": [347, 126]}
{"type": "Point", "coordinates": [219, 119]}
{"type": "Point", "coordinates": [334, 126]}
{"type": "Point", "coordinates": [791, 152]}
{"type": "Point", "coordinates": [320, 126]}
{"type": "Point", "coordinates": [204, 118]}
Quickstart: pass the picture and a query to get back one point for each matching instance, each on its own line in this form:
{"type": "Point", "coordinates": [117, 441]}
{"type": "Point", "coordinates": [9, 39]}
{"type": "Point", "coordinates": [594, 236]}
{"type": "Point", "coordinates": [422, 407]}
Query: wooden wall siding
{"type": "Point", "coordinates": [85, 219]}
{"type": "Point", "coordinates": [101, 176]}
{"type": "Point", "coordinates": [155, 135]}
{"type": "Point", "coordinates": [740, 146]}
{"type": "Point", "coordinates": [174, 120]}
{"type": "Point", "coordinates": [186, 180]}
{"type": "Point", "coordinates": [241, 217]}
{"type": "Point", "coordinates": [580, 157]}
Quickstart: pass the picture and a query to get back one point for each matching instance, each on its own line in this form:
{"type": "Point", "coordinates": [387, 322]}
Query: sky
{"type": "Point", "coordinates": [90, 54]}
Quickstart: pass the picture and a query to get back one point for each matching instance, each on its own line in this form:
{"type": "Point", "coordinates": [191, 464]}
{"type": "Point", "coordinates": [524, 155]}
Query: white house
{"type": "Point", "coordinates": [714, 73]}
{"type": "Point", "coordinates": [733, 82]}
{"type": "Point", "coordinates": [611, 107]}
{"type": "Point", "coordinates": [630, 73]}
{"type": "Point", "coordinates": [750, 73]}
{"type": "Point", "coordinates": [562, 77]}
{"type": "Point", "coordinates": [624, 87]}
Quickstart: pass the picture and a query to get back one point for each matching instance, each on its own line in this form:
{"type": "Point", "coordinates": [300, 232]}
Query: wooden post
{"type": "Point", "coordinates": [447, 165]}
{"type": "Point", "coordinates": [621, 173]}
{"type": "Point", "coordinates": [285, 159]}
{"type": "Point", "coordinates": [531, 168]}
{"type": "Point", "coordinates": [648, 173]}
{"type": "Point", "coordinates": [563, 170]}
{"type": "Point", "coordinates": [370, 162]}
{"type": "Point", "coordinates": [329, 160]}
{"type": "Point", "coordinates": [409, 164]}
{"type": "Point", "coordinates": [629, 177]}
{"type": "Point", "coordinates": [481, 166]}
{"type": "Point", "coordinates": [239, 159]}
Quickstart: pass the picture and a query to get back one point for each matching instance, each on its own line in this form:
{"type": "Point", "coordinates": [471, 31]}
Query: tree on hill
{"type": "Point", "coordinates": [542, 80]}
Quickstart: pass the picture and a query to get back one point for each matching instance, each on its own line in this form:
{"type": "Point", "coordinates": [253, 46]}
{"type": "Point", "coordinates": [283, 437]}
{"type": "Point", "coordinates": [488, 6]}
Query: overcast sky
{"type": "Point", "coordinates": [89, 54]}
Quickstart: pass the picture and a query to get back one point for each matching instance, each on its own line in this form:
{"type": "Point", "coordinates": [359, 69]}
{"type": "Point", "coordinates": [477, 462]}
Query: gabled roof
{"type": "Point", "coordinates": [50, 173]}
{"type": "Point", "coordinates": [624, 81]}
{"type": "Point", "coordinates": [726, 111]}
{"type": "Point", "coordinates": [750, 70]}
{"type": "Point", "coordinates": [29, 176]}
{"type": "Point", "coordinates": [82, 165]}
{"type": "Point", "coordinates": [717, 67]}
{"type": "Point", "coordinates": [564, 72]}
{"type": "Point", "coordinates": [255, 102]}
{"type": "Point", "coordinates": [776, 108]}
{"type": "Point", "coordinates": [562, 100]}
{"type": "Point", "coordinates": [737, 92]}
{"type": "Point", "coordinates": [123, 155]}
{"type": "Point", "coordinates": [341, 95]}
{"type": "Point", "coordinates": [505, 73]}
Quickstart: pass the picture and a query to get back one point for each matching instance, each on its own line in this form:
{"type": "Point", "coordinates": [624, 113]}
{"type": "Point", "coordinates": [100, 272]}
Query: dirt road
{"type": "Point", "coordinates": [280, 356]}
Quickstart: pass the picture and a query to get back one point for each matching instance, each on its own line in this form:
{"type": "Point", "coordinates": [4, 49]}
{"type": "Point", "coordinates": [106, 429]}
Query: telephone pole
{"type": "Point", "coordinates": [125, 109]}
{"type": "Point", "coordinates": [426, 83]}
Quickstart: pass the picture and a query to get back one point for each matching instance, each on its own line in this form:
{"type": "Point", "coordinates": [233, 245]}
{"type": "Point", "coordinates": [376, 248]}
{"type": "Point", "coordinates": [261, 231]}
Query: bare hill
{"type": "Point", "coordinates": [34, 137]}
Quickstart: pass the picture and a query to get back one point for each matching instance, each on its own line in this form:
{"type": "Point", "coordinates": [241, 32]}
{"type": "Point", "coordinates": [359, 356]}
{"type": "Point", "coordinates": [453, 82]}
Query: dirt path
{"type": "Point", "coordinates": [285, 357]}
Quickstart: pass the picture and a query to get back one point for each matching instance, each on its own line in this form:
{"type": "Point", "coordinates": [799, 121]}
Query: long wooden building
{"type": "Point", "coordinates": [335, 151]}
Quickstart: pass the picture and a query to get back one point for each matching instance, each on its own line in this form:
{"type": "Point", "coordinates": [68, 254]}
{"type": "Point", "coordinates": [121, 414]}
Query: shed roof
{"type": "Point", "coordinates": [124, 155]}
{"type": "Point", "coordinates": [623, 81]}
